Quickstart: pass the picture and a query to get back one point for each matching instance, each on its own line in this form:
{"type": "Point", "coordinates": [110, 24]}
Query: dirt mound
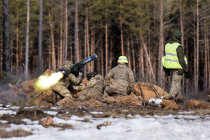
{"type": "Point", "coordinates": [132, 100]}
{"type": "Point", "coordinates": [192, 104]}
{"type": "Point", "coordinates": [28, 86]}
{"type": "Point", "coordinates": [169, 104]}
{"type": "Point", "coordinates": [149, 90]}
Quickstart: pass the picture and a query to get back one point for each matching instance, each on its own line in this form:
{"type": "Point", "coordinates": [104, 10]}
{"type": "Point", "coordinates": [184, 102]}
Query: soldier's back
{"type": "Point", "coordinates": [121, 72]}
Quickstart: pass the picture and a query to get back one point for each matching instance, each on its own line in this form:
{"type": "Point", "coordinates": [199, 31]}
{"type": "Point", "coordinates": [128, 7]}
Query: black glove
{"type": "Point", "coordinates": [186, 74]}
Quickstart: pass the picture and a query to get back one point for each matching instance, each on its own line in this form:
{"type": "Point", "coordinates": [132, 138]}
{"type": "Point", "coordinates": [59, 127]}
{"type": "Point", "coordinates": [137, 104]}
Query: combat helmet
{"type": "Point", "coordinates": [67, 64]}
{"type": "Point", "coordinates": [176, 34]}
{"type": "Point", "coordinates": [122, 59]}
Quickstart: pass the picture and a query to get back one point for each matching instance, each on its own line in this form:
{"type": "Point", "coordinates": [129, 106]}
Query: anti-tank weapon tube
{"type": "Point", "coordinates": [76, 68]}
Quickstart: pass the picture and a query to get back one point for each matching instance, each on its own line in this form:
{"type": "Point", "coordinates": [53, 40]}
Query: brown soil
{"type": "Point", "coordinates": [149, 91]}
{"type": "Point", "coordinates": [191, 104]}
{"type": "Point", "coordinates": [169, 104]}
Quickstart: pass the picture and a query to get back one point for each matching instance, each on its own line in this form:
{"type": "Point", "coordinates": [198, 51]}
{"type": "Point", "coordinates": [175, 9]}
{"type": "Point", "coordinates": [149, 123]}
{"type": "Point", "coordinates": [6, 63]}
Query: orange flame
{"type": "Point", "coordinates": [46, 81]}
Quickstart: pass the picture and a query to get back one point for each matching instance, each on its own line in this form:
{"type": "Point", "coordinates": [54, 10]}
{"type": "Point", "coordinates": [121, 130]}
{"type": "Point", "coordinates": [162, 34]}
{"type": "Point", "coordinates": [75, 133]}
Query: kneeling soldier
{"type": "Point", "coordinates": [62, 87]}
{"type": "Point", "coordinates": [93, 88]}
{"type": "Point", "coordinates": [122, 82]}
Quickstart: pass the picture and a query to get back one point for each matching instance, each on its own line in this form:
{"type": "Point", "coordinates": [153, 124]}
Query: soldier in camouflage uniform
{"type": "Point", "coordinates": [93, 88]}
{"type": "Point", "coordinates": [62, 87]}
{"type": "Point", "coordinates": [120, 80]}
{"type": "Point", "coordinates": [175, 63]}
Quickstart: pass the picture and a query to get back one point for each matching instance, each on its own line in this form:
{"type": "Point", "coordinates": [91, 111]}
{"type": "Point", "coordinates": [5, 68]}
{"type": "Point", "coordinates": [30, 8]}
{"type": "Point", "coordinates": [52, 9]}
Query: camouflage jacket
{"type": "Point", "coordinates": [96, 82]}
{"type": "Point", "coordinates": [121, 73]}
{"type": "Point", "coordinates": [70, 80]}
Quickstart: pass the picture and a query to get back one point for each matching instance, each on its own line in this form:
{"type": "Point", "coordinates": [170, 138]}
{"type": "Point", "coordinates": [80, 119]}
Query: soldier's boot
{"type": "Point", "coordinates": [64, 101]}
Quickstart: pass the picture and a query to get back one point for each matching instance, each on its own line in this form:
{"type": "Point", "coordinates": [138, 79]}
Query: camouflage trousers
{"type": "Point", "coordinates": [64, 101]}
{"type": "Point", "coordinates": [176, 85]}
{"type": "Point", "coordinates": [89, 93]}
{"type": "Point", "coordinates": [63, 91]}
{"type": "Point", "coordinates": [117, 87]}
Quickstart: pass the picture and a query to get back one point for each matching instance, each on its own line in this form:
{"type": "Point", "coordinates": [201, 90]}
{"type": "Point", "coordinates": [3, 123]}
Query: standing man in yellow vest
{"type": "Point", "coordinates": [175, 63]}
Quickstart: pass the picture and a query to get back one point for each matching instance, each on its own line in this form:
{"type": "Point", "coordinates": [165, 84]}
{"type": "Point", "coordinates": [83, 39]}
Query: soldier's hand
{"type": "Point", "coordinates": [80, 73]}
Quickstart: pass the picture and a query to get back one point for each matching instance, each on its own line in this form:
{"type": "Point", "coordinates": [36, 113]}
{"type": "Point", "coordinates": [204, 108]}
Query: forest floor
{"type": "Point", "coordinates": [15, 120]}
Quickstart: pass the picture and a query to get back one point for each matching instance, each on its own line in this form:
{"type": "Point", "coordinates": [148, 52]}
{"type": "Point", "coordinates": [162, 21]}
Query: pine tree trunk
{"type": "Point", "coordinates": [40, 35]}
{"type": "Point", "coordinates": [17, 47]}
{"type": "Point", "coordinates": [52, 42]}
{"type": "Point", "coordinates": [142, 62]}
{"type": "Point", "coordinates": [61, 56]}
{"type": "Point", "coordinates": [161, 47]}
{"type": "Point", "coordinates": [92, 46]}
{"type": "Point", "coordinates": [133, 56]}
{"type": "Point", "coordinates": [195, 62]}
{"type": "Point", "coordinates": [121, 36]}
{"type": "Point", "coordinates": [111, 55]}
{"type": "Point", "coordinates": [26, 73]}
{"type": "Point", "coordinates": [187, 80]}
{"type": "Point", "coordinates": [181, 21]}
{"type": "Point", "coordinates": [6, 56]}
{"type": "Point", "coordinates": [182, 31]}
{"type": "Point", "coordinates": [106, 47]}
{"type": "Point", "coordinates": [49, 58]}
{"type": "Point", "coordinates": [66, 31]}
{"type": "Point", "coordinates": [12, 68]}
{"type": "Point", "coordinates": [129, 53]}
{"type": "Point", "coordinates": [205, 56]}
{"type": "Point", "coordinates": [21, 56]}
{"type": "Point", "coordinates": [102, 55]}
{"type": "Point", "coordinates": [76, 36]}
{"type": "Point", "coordinates": [87, 37]}
{"type": "Point", "coordinates": [197, 47]}
{"type": "Point", "coordinates": [88, 44]}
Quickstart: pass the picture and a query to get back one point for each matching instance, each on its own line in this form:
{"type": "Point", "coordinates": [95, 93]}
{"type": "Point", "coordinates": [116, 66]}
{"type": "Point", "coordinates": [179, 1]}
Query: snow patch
{"type": "Point", "coordinates": [51, 112]}
{"type": "Point", "coordinates": [94, 112]}
{"type": "Point", "coordinates": [155, 101]}
{"type": "Point", "coordinates": [7, 112]}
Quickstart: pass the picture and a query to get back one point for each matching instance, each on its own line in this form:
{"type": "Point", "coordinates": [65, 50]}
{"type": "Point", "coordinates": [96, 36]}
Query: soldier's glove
{"type": "Point", "coordinates": [187, 74]}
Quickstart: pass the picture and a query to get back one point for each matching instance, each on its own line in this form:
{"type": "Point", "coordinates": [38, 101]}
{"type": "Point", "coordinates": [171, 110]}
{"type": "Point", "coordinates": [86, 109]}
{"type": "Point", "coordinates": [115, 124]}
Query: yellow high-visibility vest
{"type": "Point", "coordinates": [170, 60]}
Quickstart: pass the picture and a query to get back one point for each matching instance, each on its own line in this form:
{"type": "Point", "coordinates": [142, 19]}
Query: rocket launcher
{"type": "Point", "coordinates": [78, 67]}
